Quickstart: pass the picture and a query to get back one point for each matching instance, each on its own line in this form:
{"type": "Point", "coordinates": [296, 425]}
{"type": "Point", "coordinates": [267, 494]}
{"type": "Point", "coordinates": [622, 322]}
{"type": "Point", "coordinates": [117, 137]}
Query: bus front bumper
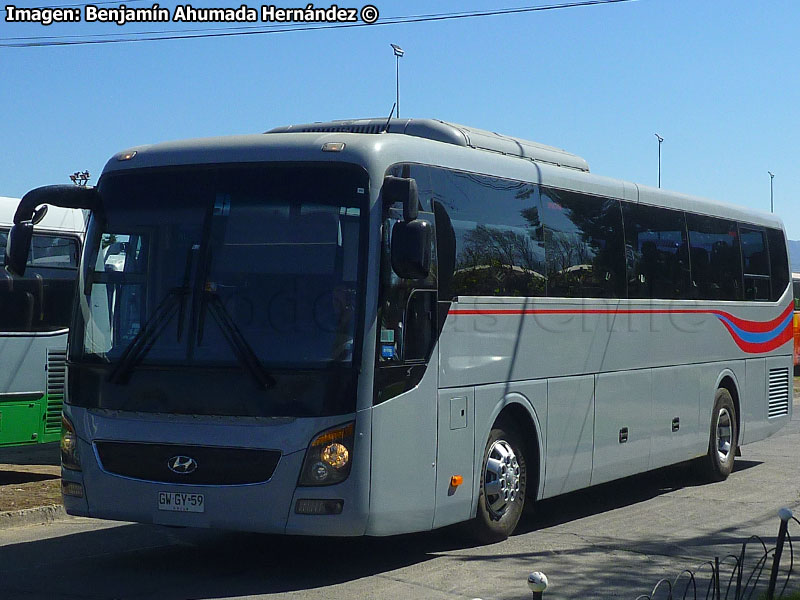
{"type": "Point", "coordinates": [268, 507]}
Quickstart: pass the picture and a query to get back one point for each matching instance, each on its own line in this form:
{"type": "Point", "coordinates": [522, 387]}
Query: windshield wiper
{"type": "Point", "coordinates": [143, 341]}
{"type": "Point", "coordinates": [244, 352]}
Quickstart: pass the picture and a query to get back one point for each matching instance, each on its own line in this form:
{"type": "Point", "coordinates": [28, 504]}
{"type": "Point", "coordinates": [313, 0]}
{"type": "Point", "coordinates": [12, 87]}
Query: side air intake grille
{"type": "Point", "coordinates": [56, 373]}
{"type": "Point", "coordinates": [778, 392]}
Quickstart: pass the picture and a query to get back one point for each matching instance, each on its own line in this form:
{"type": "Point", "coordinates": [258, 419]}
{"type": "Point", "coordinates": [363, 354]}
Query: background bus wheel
{"type": "Point", "coordinates": [504, 476]}
{"type": "Point", "coordinates": [723, 439]}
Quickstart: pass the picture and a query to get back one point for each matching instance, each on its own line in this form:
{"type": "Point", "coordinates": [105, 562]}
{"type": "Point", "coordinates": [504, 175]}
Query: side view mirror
{"type": "Point", "coordinates": [31, 211]}
{"type": "Point", "coordinates": [411, 249]}
{"type": "Point", "coordinates": [18, 246]}
{"type": "Point", "coordinates": [403, 190]}
{"type": "Point", "coordinates": [39, 214]}
{"type": "Point", "coordinates": [411, 238]}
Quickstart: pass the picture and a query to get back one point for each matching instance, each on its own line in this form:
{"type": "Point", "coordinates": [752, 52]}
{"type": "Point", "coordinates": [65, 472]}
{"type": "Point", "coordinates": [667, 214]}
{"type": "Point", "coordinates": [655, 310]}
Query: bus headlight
{"type": "Point", "coordinates": [329, 457]}
{"type": "Point", "coordinates": [69, 446]}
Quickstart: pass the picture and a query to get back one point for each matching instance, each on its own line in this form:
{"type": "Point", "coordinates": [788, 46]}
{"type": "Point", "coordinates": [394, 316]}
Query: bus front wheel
{"type": "Point", "coordinates": [717, 464]}
{"type": "Point", "coordinates": [504, 475]}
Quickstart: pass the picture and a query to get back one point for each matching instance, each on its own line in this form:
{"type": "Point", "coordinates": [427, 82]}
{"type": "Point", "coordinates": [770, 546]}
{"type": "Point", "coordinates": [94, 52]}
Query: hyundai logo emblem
{"type": "Point", "coordinates": [182, 465]}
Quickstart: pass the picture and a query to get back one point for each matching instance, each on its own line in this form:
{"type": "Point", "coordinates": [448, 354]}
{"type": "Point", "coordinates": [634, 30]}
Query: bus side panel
{"type": "Point", "coordinates": [675, 396]}
{"type": "Point", "coordinates": [23, 360]}
{"type": "Point", "coordinates": [490, 400]}
{"type": "Point", "coordinates": [622, 424]}
{"type": "Point", "coordinates": [768, 403]}
{"type": "Point", "coordinates": [754, 409]}
{"type": "Point", "coordinates": [570, 434]}
{"type": "Point", "coordinates": [455, 455]}
{"type": "Point", "coordinates": [23, 384]}
{"type": "Point", "coordinates": [403, 466]}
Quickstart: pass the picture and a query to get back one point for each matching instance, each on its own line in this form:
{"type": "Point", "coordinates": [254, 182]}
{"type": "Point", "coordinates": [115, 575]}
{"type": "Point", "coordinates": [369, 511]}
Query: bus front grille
{"type": "Point", "coordinates": [195, 465]}
{"type": "Point", "coordinates": [778, 392]}
{"type": "Point", "coordinates": [56, 372]}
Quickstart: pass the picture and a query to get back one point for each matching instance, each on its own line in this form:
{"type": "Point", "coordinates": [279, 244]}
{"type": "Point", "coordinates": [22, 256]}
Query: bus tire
{"type": "Point", "coordinates": [717, 464]}
{"type": "Point", "coordinates": [504, 475]}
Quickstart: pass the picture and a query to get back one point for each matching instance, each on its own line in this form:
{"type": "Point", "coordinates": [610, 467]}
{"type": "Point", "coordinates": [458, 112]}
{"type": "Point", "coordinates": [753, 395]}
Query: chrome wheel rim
{"type": "Point", "coordinates": [501, 478]}
{"type": "Point", "coordinates": [724, 435]}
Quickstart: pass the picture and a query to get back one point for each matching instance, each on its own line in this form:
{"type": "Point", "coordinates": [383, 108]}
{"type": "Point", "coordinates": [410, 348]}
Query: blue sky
{"type": "Point", "coordinates": [718, 79]}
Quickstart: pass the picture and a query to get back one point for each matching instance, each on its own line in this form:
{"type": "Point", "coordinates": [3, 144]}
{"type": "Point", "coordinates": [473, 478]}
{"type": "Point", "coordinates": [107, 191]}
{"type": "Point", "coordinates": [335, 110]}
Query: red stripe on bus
{"type": "Point", "coordinates": [781, 338]}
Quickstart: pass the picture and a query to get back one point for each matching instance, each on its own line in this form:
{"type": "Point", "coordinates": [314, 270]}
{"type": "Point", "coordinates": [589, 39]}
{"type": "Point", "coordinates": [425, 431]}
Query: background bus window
{"type": "Point", "coordinates": [796, 287]}
{"type": "Point", "coordinates": [755, 261]}
{"type": "Point", "coordinates": [657, 252]}
{"type": "Point", "coordinates": [584, 245]}
{"type": "Point", "coordinates": [716, 258]}
{"type": "Point", "coordinates": [42, 299]}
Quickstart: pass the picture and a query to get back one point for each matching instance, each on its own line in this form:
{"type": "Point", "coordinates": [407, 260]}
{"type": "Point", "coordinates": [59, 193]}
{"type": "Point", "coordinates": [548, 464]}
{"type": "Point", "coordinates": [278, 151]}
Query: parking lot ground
{"type": "Point", "coordinates": [29, 477]}
{"type": "Point", "coordinates": [612, 541]}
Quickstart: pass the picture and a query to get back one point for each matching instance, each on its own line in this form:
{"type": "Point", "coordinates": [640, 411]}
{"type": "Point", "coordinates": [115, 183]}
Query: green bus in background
{"type": "Point", "coordinates": [35, 311]}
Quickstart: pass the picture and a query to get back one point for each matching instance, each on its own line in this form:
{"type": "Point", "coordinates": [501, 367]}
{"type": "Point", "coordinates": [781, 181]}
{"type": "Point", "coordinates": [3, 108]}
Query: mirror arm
{"type": "Point", "coordinates": [65, 196]}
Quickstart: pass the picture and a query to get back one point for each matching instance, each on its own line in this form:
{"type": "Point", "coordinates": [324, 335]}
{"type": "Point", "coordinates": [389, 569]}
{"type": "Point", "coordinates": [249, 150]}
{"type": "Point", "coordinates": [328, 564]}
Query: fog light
{"type": "Point", "coordinates": [68, 488]}
{"type": "Point", "coordinates": [318, 507]}
{"type": "Point", "coordinates": [320, 472]}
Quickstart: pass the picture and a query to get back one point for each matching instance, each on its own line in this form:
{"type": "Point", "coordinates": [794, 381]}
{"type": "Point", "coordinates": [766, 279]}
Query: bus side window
{"type": "Point", "coordinates": [756, 264]}
{"type": "Point", "coordinates": [779, 261]}
{"type": "Point", "coordinates": [657, 248]}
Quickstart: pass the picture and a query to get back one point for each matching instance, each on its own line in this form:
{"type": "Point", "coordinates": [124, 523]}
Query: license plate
{"type": "Point", "coordinates": [180, 502]}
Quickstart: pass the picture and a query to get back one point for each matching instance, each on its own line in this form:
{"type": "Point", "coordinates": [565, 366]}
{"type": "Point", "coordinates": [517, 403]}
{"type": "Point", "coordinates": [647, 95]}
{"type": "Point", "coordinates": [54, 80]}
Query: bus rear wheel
{"type": "Point", "coordinates": [504, 475]}
{"type": "Point", "coordinates": [717, 464]}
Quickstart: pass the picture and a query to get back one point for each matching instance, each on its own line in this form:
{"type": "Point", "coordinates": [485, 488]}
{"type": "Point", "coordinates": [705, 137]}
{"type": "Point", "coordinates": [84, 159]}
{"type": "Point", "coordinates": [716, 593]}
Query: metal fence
{"type": "Point", "coordinates": [756, 573]}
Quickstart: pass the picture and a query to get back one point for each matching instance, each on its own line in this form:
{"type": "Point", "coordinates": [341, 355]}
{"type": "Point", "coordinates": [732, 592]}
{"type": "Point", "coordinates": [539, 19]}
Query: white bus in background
{"type": "Point", "coordinates": [364, 327]}
{"type": "Point", "coordinates": [34, 316]}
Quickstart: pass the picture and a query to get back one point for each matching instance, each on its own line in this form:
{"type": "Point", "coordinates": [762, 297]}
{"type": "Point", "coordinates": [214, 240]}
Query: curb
{"type": "Point", "coordinates": [40, 515]}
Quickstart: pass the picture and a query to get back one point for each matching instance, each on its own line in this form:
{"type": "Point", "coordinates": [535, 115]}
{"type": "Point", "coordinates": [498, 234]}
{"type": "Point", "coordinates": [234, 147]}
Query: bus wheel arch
{"type": "Point", "coordinates": [509, 472]}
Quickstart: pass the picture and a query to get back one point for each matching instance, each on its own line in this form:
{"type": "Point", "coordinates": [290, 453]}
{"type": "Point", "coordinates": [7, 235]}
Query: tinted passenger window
{"type": "Point", "coordinates": [779, 262]}
{"type": "Point", "coordinates": [657, 252]}
{"type": "Point", "coordinates": [499, 249]}
{"type": "Point", "coordinates": [584, 245]}
{"type": "Point", "coordinates": [755, 260]}
{"type": "Point", "coordinates": [715, 258]}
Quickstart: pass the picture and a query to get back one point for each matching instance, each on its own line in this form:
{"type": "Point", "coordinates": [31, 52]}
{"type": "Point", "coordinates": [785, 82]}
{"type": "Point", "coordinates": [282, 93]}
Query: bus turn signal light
{"type": "Point", "coordinates": [456, 480]}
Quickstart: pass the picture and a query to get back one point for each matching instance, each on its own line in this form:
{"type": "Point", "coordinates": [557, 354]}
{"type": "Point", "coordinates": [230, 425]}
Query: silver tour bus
{"type": "Point", "coordinates": [370, 328]}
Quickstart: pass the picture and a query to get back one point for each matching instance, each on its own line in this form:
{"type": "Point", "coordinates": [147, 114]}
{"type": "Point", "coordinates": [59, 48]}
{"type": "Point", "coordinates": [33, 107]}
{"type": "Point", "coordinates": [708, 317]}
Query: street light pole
{"type": "Point", "coordinates": [771, 202]}
{"type": "Point", "coordinates": [660, 139]}
{"type": "Point", "coordinates": [398, 53]}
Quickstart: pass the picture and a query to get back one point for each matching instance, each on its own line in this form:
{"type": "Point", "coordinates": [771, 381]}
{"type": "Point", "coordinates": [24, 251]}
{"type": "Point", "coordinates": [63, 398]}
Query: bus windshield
{"type": "Point", "coordinates": [226, 265]}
